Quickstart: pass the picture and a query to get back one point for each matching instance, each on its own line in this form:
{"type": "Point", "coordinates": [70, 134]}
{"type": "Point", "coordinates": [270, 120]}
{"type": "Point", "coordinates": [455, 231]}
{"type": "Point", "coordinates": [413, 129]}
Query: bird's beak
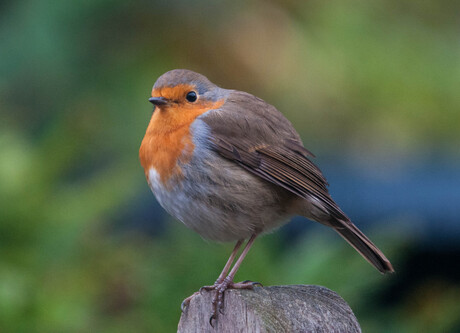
{"type": "Point", "coordinates": [158, 101]}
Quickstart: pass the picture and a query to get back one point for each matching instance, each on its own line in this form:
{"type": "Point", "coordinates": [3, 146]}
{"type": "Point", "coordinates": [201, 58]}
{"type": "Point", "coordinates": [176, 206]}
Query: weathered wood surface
{"type": "Point", "coordinates": [295, 308]}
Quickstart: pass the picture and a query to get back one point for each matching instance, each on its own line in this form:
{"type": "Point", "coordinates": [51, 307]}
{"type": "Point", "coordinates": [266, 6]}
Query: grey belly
{"type": "Point", "coordinates": [223, 202]}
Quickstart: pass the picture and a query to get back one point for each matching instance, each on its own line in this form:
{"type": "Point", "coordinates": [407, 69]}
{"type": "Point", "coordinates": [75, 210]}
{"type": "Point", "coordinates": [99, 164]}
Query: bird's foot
{"type": "Point", "coordinates": [186, 301]}
{"type": "Point", "coordinates": [218, 300]}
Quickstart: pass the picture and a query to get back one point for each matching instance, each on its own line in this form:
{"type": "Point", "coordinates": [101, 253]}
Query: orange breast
{"type": "Point", "coordinates": [168, 140]}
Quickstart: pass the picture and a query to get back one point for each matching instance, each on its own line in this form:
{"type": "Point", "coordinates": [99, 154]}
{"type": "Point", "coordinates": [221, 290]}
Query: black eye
{"type": "Point", "coordinates": [191, 96]}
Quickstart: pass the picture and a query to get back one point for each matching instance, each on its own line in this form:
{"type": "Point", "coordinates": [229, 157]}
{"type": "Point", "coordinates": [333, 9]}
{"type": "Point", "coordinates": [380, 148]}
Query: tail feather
{"type": "Point", "coordinates": [363, 245]}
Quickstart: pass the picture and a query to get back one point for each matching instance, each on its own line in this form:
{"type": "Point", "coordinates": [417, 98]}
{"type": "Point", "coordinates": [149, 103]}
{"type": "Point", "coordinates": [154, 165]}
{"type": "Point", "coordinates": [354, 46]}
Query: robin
{"type": "Point", "coordinates": [231, 167]}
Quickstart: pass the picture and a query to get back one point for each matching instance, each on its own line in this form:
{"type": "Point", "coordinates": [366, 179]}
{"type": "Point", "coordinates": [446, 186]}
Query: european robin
{"type": "Point", "coordinates": [230, 166]}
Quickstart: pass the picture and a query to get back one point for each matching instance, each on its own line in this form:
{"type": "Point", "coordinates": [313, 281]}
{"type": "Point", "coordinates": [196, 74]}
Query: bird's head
{"type": "Point", "coordinates": [181, 88]}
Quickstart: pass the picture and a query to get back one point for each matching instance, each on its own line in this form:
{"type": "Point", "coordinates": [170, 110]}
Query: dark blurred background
{"type": "Point", "coordinates": [372, 87]}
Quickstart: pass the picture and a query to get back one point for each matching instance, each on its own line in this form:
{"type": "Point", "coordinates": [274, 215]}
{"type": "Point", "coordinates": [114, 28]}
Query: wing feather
{"type": "Point", "coordinates": [261, 140]}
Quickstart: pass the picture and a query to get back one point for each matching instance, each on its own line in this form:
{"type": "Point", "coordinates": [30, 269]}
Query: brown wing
{"type": "Point", "coordinates": [261, 140]}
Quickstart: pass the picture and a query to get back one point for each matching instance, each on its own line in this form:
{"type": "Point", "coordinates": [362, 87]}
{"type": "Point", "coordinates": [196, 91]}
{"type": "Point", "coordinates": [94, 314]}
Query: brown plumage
{"type": "Point", "coordinates": [272, 150]}
{"type": "Point", "coordinates": [230, 166]}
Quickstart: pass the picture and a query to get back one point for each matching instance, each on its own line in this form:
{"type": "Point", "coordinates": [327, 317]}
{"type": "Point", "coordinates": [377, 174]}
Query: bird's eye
{"type": "Point", "coordinates": [191, 96]}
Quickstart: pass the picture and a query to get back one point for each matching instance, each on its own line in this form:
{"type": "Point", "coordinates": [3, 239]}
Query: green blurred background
{"type": "Point", "coordinates": [372, 87]}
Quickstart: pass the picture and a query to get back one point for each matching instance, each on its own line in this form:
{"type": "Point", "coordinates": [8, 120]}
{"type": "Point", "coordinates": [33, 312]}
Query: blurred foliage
{"type": "Point", "coordinates": [375, 79]}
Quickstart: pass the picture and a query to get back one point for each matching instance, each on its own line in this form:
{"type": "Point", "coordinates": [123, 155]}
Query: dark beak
{"type": "Point", "coordinates": [158, 101]}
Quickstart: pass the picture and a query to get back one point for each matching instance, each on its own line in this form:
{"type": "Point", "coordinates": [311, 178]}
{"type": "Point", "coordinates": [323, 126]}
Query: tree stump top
{"type": "Point", "coordinates": [294, 308]}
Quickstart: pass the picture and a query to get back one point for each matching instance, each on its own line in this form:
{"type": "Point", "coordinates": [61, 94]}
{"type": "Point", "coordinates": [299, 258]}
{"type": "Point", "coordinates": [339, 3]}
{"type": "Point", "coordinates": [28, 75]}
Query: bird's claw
{"type": "Point", "coordinates": [207, 288]}
{"type": "Point", "coordinates": [186, 301]}
{"type": "Point", "coordinates": [183, 306]}
{"type": "Point", "coordinates": [254, 283]}
{"type": "Point", "coordinates": [213, 317]}
{"type": "Point", "coordinates": [217, 303]}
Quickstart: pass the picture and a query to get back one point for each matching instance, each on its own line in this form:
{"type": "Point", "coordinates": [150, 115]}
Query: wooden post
{"type": "Point", "coordinates": [296, 308]}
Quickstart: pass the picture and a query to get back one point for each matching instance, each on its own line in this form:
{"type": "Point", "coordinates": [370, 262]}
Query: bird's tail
{"type": "Point", "coordinates": [363, 245]}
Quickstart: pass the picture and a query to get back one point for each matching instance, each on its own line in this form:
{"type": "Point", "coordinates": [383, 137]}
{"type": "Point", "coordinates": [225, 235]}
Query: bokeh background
{"type": "Point", "coordinates": [372, 87]}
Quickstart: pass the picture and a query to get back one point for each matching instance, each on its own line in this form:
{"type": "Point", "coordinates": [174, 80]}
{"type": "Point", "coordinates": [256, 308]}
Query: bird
{"type": "Point", "coordinates": [231, 167]}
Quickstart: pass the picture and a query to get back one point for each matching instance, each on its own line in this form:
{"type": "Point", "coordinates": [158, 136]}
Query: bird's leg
{"type": "Point", "coordinates": [219, 280]}
{"type": "Point", "coordinates": [227, 266]}
{"type": "Point", "coordinates": [227, 283]}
